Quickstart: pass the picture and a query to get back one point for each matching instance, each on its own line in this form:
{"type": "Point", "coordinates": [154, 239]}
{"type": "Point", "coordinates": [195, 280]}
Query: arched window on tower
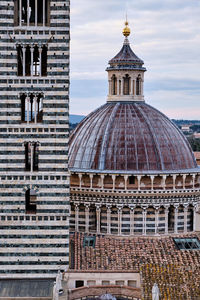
{"type": "Point", "coordinates": [32, 60]}
{"type": "Point", "coordinates": [32, 12]}
{"type": "Point", "coordinates": [138, 85]}
{"type": "Point", "coordinates": [32, 108]}
{"type": "Point", "coordinates": [114, 85]}
{"type": "Point", "coordinates": [127, 85]}
{"type": "Point", "coordinates": [30, 201]}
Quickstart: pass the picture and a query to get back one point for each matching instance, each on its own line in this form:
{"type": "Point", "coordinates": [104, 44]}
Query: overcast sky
{"type": "Point", "coordinates": [165, 34]}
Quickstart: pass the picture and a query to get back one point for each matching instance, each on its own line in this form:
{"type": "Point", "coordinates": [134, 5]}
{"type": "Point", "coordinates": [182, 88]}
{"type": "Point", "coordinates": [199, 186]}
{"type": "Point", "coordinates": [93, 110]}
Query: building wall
{"type": "Point", "coordinates": [103, 278]}
{"type": "Point", "coordinates": [34, 245]}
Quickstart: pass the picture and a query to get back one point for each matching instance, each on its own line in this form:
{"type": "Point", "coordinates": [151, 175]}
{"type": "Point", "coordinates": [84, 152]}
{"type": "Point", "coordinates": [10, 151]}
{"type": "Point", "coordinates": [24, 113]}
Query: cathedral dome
{"type": "Point", "coordinates": [129, 136]}
{"type": "Point", "coordinates": [126, 134]}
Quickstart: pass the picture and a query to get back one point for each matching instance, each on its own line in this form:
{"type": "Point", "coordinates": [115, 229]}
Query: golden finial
{"type": "Point", "coordinates": [126, 31]}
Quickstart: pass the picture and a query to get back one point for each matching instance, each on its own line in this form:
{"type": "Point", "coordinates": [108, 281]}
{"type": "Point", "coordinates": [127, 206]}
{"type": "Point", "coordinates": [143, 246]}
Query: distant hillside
{"type": "Point", "coordinates": [74, 119]}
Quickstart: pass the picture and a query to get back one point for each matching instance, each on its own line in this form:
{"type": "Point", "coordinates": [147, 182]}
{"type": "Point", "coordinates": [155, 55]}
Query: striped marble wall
{"type": "Point", "coordinates": [34, 244]}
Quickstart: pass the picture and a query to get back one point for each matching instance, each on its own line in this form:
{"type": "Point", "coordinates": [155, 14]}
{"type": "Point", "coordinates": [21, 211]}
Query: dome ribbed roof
{"type": "Point", "coordinates": [129, 137]}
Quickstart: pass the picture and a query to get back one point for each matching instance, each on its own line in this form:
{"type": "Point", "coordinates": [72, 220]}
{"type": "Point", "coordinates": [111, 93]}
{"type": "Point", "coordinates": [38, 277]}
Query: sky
{"type": "Point", "coordinates": [165, 34]}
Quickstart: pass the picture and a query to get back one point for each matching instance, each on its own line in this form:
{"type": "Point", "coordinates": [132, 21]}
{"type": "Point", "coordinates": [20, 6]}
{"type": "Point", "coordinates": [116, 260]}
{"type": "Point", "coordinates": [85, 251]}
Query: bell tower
{"type": "Point", "coordinates": [126, 74]}
{"type": "Point", "coordinates": [34, 101]}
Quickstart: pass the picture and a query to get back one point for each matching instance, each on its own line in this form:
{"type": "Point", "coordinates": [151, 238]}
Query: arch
{"type": "Point", "coordinates": [145, 183]}
{"type": "Point", "coordinates": [169, 182]}
{"type": "Point", "coordinates": [126, 85]}
{"type": "Point", "coordinates": [138, 85]}
{"type": "Point", "coordinates": [108, 182]}
{"type": "Point", "coordinates": [30, 201]}
{"type": "Point", "coordinates": [171, 219]}
{"type": "Point", "coordinates": [114, 85]}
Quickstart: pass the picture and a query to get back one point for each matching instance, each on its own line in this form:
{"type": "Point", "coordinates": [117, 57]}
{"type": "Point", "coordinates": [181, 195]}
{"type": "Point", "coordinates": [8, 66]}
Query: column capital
{"type": "Point", "coordinates": [166, 206]}
{"type": "Point", "coordinates": [132, 206]}
{"type": "Point", "coordinates": [185, 205]}
{"type": "Point", "coordinates": [176, 206]}
{"type": "Point", "coordinates": [98, 207]}
{"type": "Point", "coordinates": [87, 205]}
{"type": "Point", "coordinates": [144, 207]}
{"type": "Point", "coordinates": [77, 206]}
{"type": "Point", "coordinates": [108, 206]}
{"type": "Point", "coordinates": [156, 207]}
{"type": "Point", "coordinates": [119, 207]}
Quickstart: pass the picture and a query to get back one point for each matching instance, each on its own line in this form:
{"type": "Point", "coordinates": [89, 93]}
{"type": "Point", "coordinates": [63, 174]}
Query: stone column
{"type": "Point", "coordinates": [184, 178]}
{"type": "Point", "coordinates": [194, 216]}
{"type": "Point", "coordinates": [113, 178]}
{"type": "Point", "coordinates": [164, 177]}
{"type": "Point", "coordinates": [131, 79]}
{"type": "Point", "coordinates": [119, 220]}
{"type": "Point", "coordinates": [176, 218]}
{"type": "Point", "coordinates": [76, 217]}
{"type": "Point", "coordinates": [141, 87]}
{"type": "Point", "coordinates": [98, 217]}
{"type": "Point", "coordinates": [122, 86]}
{"type": "Point", "coordinates": [44, 15]}
{"type": "Point", "coordinates": [20, 12]}
{"type": "Point", "coordinates": [132, 207]}
{"type": "Point", "coordinates": [91, 178]}
{"type": "Point", "coordinates": [32, 146]}
{"type": "Point", "coordinates": [166, 218]}
{"type": "Point", "coordinates": [174, 181]}
{"type": "Point", "coordinates": [35, 108]}
{"type": "Point", "coordinates": [156, 219]}
{"type": "Point", "coordinates": [32, 52]}
{"type": "Point", "coordinates": [144, 216]}
{"type": "Point", "coordinates": [125, 181]}
{"type": "Point", "coordinates": [87, 217]}
{"type": "Point", "coordinates": [110, 87]}
{"type": "Point", "coordinates": [36, 9]}
{"type": "Point", "coordinates": [152, 182]}
{"type": "Point", "coordinates": [40, 58]}
{"type": "Point", "coordinates": [118, 91]}
{"type": "Point", "coordinates": [134, 88]}
{"type": "Point", "coordinates": [24, 59]}
{"type": "Point", "coordinates": [185, 216]}
{"type": "Point", "coordinates": [108, 219]}
{"type": "Point", "coordinates": [80, 180]}
{"type": "Point", "coordinates": [28, 107]}
{"type": "Point", "coordinates": [139, 177]}
{"type": "Point", "coordinates": [28, 8]}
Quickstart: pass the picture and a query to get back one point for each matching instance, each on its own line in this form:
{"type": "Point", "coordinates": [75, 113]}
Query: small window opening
{"type": "Point", "coordinates": [89, 241]}
{"type": "Point", "coordinates": [27, 157]}
{"type": "Point", "coordinates": [131, 179]}
{"type": "Point", "coordinates": [79, 283]}
{"type": "Point", "coordinates": [20, 61]}
{"type": "Point", "coordinates": [28, 61]}
{"type": "Point", "coordinates": [31, 198]}
{"type": "Point", "coordinates": [127, 85]}
{"type": "Point", "coordinates": [187, 243]}
{"type": "Point", "coordinates": [114, 85]}
{"type": "Point", "coordinates": [138, 85]}
{"type": "Point", "coordinates": [44, 61]}
{"type": "Point", "coordinates": [36, 62]}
